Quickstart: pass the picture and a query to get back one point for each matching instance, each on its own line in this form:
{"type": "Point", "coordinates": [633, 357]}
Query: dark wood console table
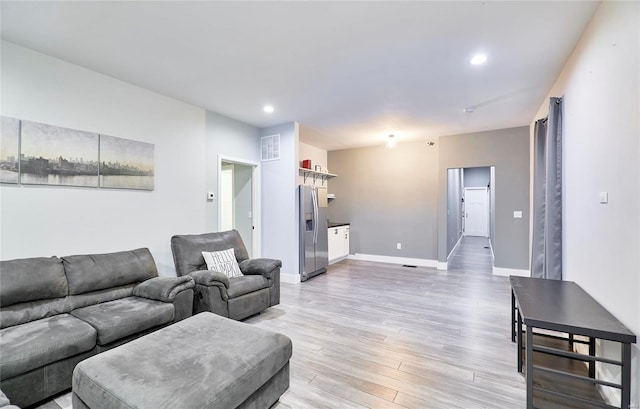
{"type": "Point", "coordinates": [563, 306]}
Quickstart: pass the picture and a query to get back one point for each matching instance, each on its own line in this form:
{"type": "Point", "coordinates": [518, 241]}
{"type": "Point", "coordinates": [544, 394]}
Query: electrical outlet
{"type": "Point", "coordinates": [399, 246]}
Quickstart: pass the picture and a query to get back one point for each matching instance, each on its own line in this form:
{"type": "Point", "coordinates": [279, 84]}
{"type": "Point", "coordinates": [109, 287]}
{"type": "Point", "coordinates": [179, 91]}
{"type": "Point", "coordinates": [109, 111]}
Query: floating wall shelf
{"type": "Point", "coordinates": [315, 175]}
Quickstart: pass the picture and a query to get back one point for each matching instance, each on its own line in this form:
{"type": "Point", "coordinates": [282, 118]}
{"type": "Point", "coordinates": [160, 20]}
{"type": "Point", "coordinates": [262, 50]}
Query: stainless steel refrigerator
{"type": "Point", "coordinates": [314, 240]}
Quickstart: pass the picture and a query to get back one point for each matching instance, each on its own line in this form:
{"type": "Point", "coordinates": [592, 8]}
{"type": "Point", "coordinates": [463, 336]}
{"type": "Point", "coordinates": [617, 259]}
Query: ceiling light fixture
{"type": "Point", "coordinates": [268, 109]}
{"type": "Point", "coordinates": [391, 141]}
{"type": "Point", "coordinates": [478, 59]}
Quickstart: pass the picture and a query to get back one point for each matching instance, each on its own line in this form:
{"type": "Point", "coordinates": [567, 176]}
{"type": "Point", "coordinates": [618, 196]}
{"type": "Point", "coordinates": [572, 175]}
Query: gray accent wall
{"type": "Point", "coordinates": [400, 195]}
{"type": "Point", "coordinates": [389, 196]}
{"type": "Point", "coordinates": [477, 177]}
{"type": "Point", "coordinates": [508, 151]}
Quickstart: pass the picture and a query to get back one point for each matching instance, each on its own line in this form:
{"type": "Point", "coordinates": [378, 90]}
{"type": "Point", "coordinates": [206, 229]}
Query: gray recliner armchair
{"type": "Point", "coordinates": [237, 297]}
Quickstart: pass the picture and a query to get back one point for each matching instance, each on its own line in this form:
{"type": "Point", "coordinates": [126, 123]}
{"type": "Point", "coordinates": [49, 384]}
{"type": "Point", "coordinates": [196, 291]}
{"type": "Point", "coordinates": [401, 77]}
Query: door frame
{"type": "Point", "coordinates": [256, 209]}
{"type": "Point", "coordinates": [487, 206]}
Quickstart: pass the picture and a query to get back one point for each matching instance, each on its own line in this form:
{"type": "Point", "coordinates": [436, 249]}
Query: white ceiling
{"type": "Point", "coordinates": [349, 72]}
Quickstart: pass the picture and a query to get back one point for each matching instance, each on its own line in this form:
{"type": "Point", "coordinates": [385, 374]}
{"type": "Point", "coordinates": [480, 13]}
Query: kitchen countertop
{"type": "Point", "coordinates": [334, 224]}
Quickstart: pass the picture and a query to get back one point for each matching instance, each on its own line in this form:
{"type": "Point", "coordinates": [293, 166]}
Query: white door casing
{"type": "Point", "coordinates": [255, 249]}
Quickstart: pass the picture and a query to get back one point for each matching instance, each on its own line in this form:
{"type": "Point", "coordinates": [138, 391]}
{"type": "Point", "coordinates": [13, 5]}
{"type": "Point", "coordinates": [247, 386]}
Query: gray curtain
{"type": "Point", "coordinates": [546, 254]}
{"type": "Point", "coordinates": [539, 186]}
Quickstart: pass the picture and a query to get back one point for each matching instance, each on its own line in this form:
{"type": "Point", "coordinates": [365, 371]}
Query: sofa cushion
{"type": "Point", "coordinates": [38, 343]}
{"type": "Point", "coordinates": [127, 316]}
{"type": "Point", "coordinates": [99, 271]}
{"type": "Point", "coordinates": [246, 284]}
{"type": "Point", "coordinates": [34, 310]}
{"type": "Point", "coordinates": [31, 279]}
{"type": "Point", "coordinates": [24, 312]}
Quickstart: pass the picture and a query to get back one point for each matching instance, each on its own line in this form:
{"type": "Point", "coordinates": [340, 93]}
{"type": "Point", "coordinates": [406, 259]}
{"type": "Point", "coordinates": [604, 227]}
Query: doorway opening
{"type": "Point", "coordinates": [239, 200]}
{"type": "Point", "coordinates": [471, 206]}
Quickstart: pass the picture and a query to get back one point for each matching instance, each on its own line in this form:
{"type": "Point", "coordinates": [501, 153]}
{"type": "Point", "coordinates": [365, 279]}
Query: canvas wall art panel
{"type": "Point", "coordinates": [9, 149]}
{"type": "Point", "coordinates": [126, 164]}
{"type": "Point", "coordinates": [52, 155]}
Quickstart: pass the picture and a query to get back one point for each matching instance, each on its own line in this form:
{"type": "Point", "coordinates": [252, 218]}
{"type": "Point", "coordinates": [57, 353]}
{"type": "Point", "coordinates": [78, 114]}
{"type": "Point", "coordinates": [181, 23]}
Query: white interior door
{"type": "Point", "coordinates": [476, 206]}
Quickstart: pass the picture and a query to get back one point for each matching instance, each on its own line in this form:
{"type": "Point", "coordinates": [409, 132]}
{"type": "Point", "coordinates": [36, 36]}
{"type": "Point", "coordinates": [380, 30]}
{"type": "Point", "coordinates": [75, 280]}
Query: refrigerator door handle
{"type": "Point", "coordinates": [314, 200]}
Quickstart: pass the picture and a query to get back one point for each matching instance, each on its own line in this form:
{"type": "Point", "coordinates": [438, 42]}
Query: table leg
{"type": "Point", "coordinates": [529, 372]}
{"type": "Point", "coordinates": [513, 317]}
{"type": "Point", "coordinates": [592, 352]}
{"type": "Point", "coordinates": [626, 375]}
{"type": "Point", "coordinates": [519, 344]}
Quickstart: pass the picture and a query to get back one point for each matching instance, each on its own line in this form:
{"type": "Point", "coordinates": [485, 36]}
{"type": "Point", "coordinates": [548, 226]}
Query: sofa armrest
{"type": "Point", "coordinates": [163, 289]}
{"type": "Point", "coordinates": [209, 277]}
{"type": "Point", "coordinates": [260, 266]}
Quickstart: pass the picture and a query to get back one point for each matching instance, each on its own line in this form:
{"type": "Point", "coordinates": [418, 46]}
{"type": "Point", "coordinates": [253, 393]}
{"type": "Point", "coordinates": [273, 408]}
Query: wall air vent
{"type": "Point", "coordinates": [270, 147]}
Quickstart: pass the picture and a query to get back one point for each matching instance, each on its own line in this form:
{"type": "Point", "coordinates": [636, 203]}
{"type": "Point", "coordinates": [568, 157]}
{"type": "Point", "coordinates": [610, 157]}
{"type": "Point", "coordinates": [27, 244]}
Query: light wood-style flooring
{"type": "Point", "coordinates": [375, 335]}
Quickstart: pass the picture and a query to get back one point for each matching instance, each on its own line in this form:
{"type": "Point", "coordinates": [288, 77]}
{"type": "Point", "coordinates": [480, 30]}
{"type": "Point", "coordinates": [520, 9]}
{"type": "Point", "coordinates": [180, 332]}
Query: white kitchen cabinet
{"type": "Point", "coordinates": [338, 243]}
{"type": "Point", "coordinates": [345, 242]}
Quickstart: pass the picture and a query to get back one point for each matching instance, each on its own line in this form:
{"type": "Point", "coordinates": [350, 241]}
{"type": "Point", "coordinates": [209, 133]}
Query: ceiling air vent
{"type": "Point", "coordinates": [270, 147]}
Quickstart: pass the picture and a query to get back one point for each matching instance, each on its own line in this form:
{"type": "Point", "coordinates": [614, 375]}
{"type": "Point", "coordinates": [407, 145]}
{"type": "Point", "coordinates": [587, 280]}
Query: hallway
{"type": "Point", "coordinates": [472, 254]}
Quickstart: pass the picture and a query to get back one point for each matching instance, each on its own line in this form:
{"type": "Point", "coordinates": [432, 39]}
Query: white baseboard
{"type": "Point", "coordinates": [491, 248]}
{"type": "Point", "coordinates": [443, 266]}
{"type": "Point", "coordinates": [453, 249]}
{"type": "Point", "coordinates": [338, 260]}
{"type": "Point", "coordinates": [394, 260]}
{"type": "Point", "coordinates": [290, 278]}
{"type": "Point", "coordinates": [499, 271]}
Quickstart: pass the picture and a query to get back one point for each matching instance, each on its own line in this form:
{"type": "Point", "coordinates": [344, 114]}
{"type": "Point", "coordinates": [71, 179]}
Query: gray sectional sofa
{"type": "Point", "coordinates": [55, 312]}
{"type": "Point", "coordinates": [237, 297]}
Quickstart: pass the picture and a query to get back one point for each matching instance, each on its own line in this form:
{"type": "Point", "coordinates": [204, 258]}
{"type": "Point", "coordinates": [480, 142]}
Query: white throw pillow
{"type": "Point", "coordinates": [223, 261]}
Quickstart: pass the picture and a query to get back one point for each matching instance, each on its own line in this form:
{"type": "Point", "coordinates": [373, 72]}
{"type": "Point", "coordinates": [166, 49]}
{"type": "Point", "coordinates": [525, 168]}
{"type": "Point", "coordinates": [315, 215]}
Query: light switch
{"type": "Point", "coordinates": [211, 196]}
{"type": "Point", "coordinates": [604, 197]}
{"type": "Point", "coordinates": [517, 214]}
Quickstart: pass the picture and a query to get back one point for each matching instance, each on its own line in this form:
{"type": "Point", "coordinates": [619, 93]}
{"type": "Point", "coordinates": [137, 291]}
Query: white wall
{"type": "Point", "coordinates": [600, 84]}
{"type": "Point", "coordinates": [317, 156]}
{"type": "Point", "coordinates": [45, 221]}
{"type": "Point", "coordinates": [279, 202]}
{"type": "Point", "coordinates": [232, 139]}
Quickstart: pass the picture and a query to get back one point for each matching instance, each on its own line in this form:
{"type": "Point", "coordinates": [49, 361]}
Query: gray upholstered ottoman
{"type": "Point", "coordinates": [205, 361]}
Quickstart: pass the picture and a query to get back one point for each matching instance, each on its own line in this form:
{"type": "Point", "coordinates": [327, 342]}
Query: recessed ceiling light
{"type": "Point", "coordinates": [391, 141]}
{"type": "Point", "coordinates": [268, 109]}
{"type": "Point", "coordinates": [478, 59]}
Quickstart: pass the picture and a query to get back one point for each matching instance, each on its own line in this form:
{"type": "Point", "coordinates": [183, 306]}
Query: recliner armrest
{"type": "Point", "coordinates": [260, 266]}
{"type": "Point", "coordinates": [209, 277]}
{"type": "Point", "coordinates": [163, 289]}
